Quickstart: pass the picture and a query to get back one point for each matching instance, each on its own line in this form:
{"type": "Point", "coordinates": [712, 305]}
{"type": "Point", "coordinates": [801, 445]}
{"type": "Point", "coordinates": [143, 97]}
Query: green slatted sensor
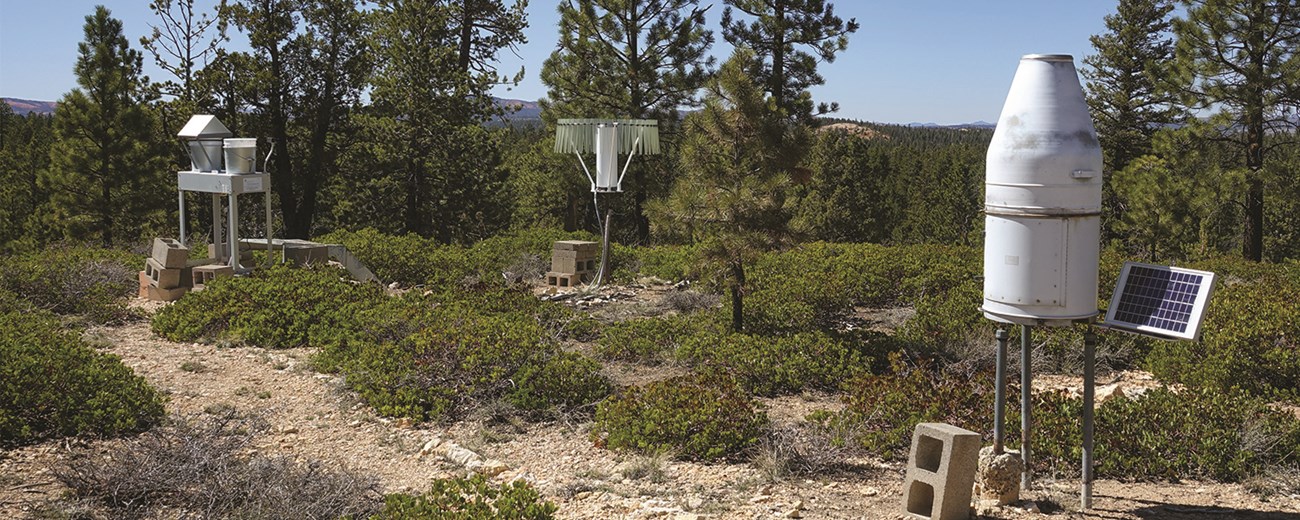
{"type": "Point", "coordinates": [607, 138]}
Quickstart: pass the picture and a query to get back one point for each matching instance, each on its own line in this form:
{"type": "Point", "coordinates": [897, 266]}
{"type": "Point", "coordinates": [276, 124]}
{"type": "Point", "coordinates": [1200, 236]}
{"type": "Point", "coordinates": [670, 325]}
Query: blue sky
{"type": "Point", "coordinates": [941, 61]}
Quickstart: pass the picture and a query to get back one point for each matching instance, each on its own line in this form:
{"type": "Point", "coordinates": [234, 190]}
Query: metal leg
{"type": "Point", "coordinates": [267, 199]}
{"type": "Point", "coordinates": [1026, 395]}
{"type": "Point", "coordinates": [233, 234]}
{"type": "Point", "coordinates": [218, 239]}
{"type": "Point", "coordinates": [1089, 382]}
{"type": "Point", "coordinates": [180, 199]}
{"type": "Point", "coordinates": [1000, 397]}
{"type": "Point", "coordinates": [604, 252]}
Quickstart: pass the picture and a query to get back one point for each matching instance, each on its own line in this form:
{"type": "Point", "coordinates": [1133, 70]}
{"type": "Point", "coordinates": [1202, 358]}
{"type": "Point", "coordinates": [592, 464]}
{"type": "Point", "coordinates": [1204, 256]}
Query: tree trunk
{"type": "Point", "coordinates": [737, 296]}
{"type": "Point", "coordinates": [1252, 246]}
{"type": "Point", "coordinates": [282, 179]}
{"type": "Point", "coordinates": [466, 34]}
{"type": "Point", "coordinates": [777, 81]}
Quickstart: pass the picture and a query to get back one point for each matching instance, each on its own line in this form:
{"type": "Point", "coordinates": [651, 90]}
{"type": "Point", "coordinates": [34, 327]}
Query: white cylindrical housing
{"type": "Point", "coordinates": [241, 155]}
{"type": "Point", "coordinates": [607, 157]}
{"type": "Point", "coordinates": [1043, 200]}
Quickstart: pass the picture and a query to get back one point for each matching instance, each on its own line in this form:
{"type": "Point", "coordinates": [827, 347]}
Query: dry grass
{"type": "Point", "coordinates": [204, 467]}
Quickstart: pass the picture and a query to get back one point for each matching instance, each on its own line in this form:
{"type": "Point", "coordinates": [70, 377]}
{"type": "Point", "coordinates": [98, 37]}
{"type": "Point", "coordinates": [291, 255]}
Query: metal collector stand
{"type": "Point", "coordinates": [1026, 405]}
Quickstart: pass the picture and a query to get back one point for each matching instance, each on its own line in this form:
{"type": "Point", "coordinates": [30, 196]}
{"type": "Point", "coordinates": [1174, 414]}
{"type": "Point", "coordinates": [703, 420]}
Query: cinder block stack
{"type": "Point", "coordinates": [165, 276]}
{"type": "Point", "coordinates": [572, 262]}
{"type": "Point", "coordinates": [940, 472]}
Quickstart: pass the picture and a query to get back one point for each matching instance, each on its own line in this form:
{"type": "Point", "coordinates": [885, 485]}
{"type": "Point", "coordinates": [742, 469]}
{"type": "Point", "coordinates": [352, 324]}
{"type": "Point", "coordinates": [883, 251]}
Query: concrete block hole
{"type": "Point", "coordinates": [929, 454]}
{"type": "Point", "coordinates": [920, 499]}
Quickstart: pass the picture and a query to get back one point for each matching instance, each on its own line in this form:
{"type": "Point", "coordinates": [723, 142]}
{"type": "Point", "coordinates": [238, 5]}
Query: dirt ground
{"type": "Point", "coordinates": [313, 417]}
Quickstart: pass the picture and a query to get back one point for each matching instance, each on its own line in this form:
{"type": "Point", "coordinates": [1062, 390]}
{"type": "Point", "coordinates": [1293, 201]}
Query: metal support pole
{"type": "Point", "coordinates": [180, 199]}
{"type": "Point", "coordinates": [1089, 382]}
{"type": "Point", "coordinates": [604, 252]}
{"type": "Point", "coordinates": [218, 239]}
{"type": "Point", "coordinates": [267, 198]}
{"type": "Point", "coordinates": [233, 234]}
{"type": "Point", "coordinates": [1000, 397]}
{"type": "Point", "coordinates": [1026, 415]}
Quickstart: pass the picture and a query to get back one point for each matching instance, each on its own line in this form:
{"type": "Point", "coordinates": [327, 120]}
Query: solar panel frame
{"type": "Point", "coordinates": [1161, 301]}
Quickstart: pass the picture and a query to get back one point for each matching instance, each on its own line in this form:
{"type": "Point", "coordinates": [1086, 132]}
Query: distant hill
{"type": "Point", "coordinates": [976, 124]}
{"type": "Point", "coordinates": [526, 110]}
{"type": "Point", "coordinates": [23, 107]}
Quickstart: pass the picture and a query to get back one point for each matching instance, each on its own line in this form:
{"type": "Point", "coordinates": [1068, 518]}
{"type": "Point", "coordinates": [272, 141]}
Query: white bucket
{"type": "Point", "coordinates": [241, 155]}
{"type": "Point", "coordinates": [205, 155]}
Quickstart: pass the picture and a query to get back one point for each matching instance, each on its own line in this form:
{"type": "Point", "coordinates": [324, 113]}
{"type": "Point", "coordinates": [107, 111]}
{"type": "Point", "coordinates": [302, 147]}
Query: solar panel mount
{"type": "Point", "coordinates": [1160, 301]}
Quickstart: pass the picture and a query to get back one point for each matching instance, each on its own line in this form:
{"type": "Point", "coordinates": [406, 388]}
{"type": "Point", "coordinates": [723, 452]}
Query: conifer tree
{"type": "Point", "coordinates": [789, 38]}
{"type": "Point", "coordinates": [738, 152]}
{"type": "Point", "coordinates": [1127, 106]}
{"type": "Point", "coordinates": [106, 175]}
{"type": "Point", "coordinates": [432, 151]}
{"type": "Point", "coordinates": [1241, 61]}
{"type": "Point", "coordinates": [637, 59]}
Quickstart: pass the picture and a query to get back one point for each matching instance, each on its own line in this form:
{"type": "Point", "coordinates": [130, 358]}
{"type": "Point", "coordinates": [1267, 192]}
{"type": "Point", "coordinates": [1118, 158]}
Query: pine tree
{"type": "Point", "coordinates": [1241, 61]}
{"type": "Point", "coordinates": [427, 121]}
{"type": "Point", "coordinates": [738, 152]}
{"type": "Point", "coordinates": [1127, 106]}
{"type": "Point", "coordinates": [636, 59]}
{"type": "Point", "coordinates": [308, 66]}
{"type": "Point", "coordinates": [106, 176]}
{"type": "Point", "coordinates": [24, 156]}
{"type": "Point", "coordinates": [790, 37]}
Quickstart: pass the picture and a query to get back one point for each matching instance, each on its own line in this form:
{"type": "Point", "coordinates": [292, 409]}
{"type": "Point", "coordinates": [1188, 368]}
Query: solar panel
{"type": "Point", "coordinates": [1156, 300]}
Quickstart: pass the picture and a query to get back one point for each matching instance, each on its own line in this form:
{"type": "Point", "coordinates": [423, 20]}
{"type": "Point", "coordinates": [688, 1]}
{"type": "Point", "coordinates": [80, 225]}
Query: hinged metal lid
{"type": "Point", "coordinates": [204, 127]}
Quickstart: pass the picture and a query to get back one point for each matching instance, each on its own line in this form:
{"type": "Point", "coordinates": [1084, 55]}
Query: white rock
{"type": "Point", "coordinates": [871, 491]}
{"type": "Point", "coordinates": [492, 468]}
{"type": "Point", "coordinates": [460, 456]}
{"type": "Point", "coordinates": [1032, 507]}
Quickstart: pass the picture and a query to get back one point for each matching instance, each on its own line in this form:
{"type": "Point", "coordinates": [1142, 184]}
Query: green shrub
{"type": "Point", "coordinates": [75, 281]}
{"type": "Point", "coordinates": [407, 259]}
{"type": "Point", "coordinates": [462, 359]}
{"type": "Point", "coordinates": [54, 385]}
{"type": "Point", "coordinates": [273, 308]}
{"type": "Point", "coordinates": [652, 340]}
{"type": "Point", "coordinates": [1206, 434]}
{"type": "Point", "coordinates": [1160, 435]}
{"type": "Point", "coordinates": [567, 381]}
{"type": "Point", "coordinates": [666, 262]}
{"type": "Point", "coordinates": [772, 365]}
{"type": "Point", "coordinates": [1251, 334]}
{"type": "Point", "coordinates": [884, 409]}
{"type": "Point", "coordinates": [693, 417]}
{"type": "Point", "coordinates": [469, 499]}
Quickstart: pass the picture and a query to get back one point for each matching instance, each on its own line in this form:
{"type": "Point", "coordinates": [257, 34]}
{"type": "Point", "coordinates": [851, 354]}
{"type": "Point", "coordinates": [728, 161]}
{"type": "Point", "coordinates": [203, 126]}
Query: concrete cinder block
{"type": "Point", "coordinates": [940, 472]}
{"type": "Point", "coordinates": [565, 280]}
{"type": "Point", "coordinates": [206, 273]}
{"type": "Point", "coordinates": [572, 262]}
{"type": "Point", "coordinates": [169, 253]}
{"type": "Point", "coordinates": [166, 295]}
{"type": "Point", "coordinates": [576, 245]}
{"type": "Point", "coordinates": [162, 277]}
